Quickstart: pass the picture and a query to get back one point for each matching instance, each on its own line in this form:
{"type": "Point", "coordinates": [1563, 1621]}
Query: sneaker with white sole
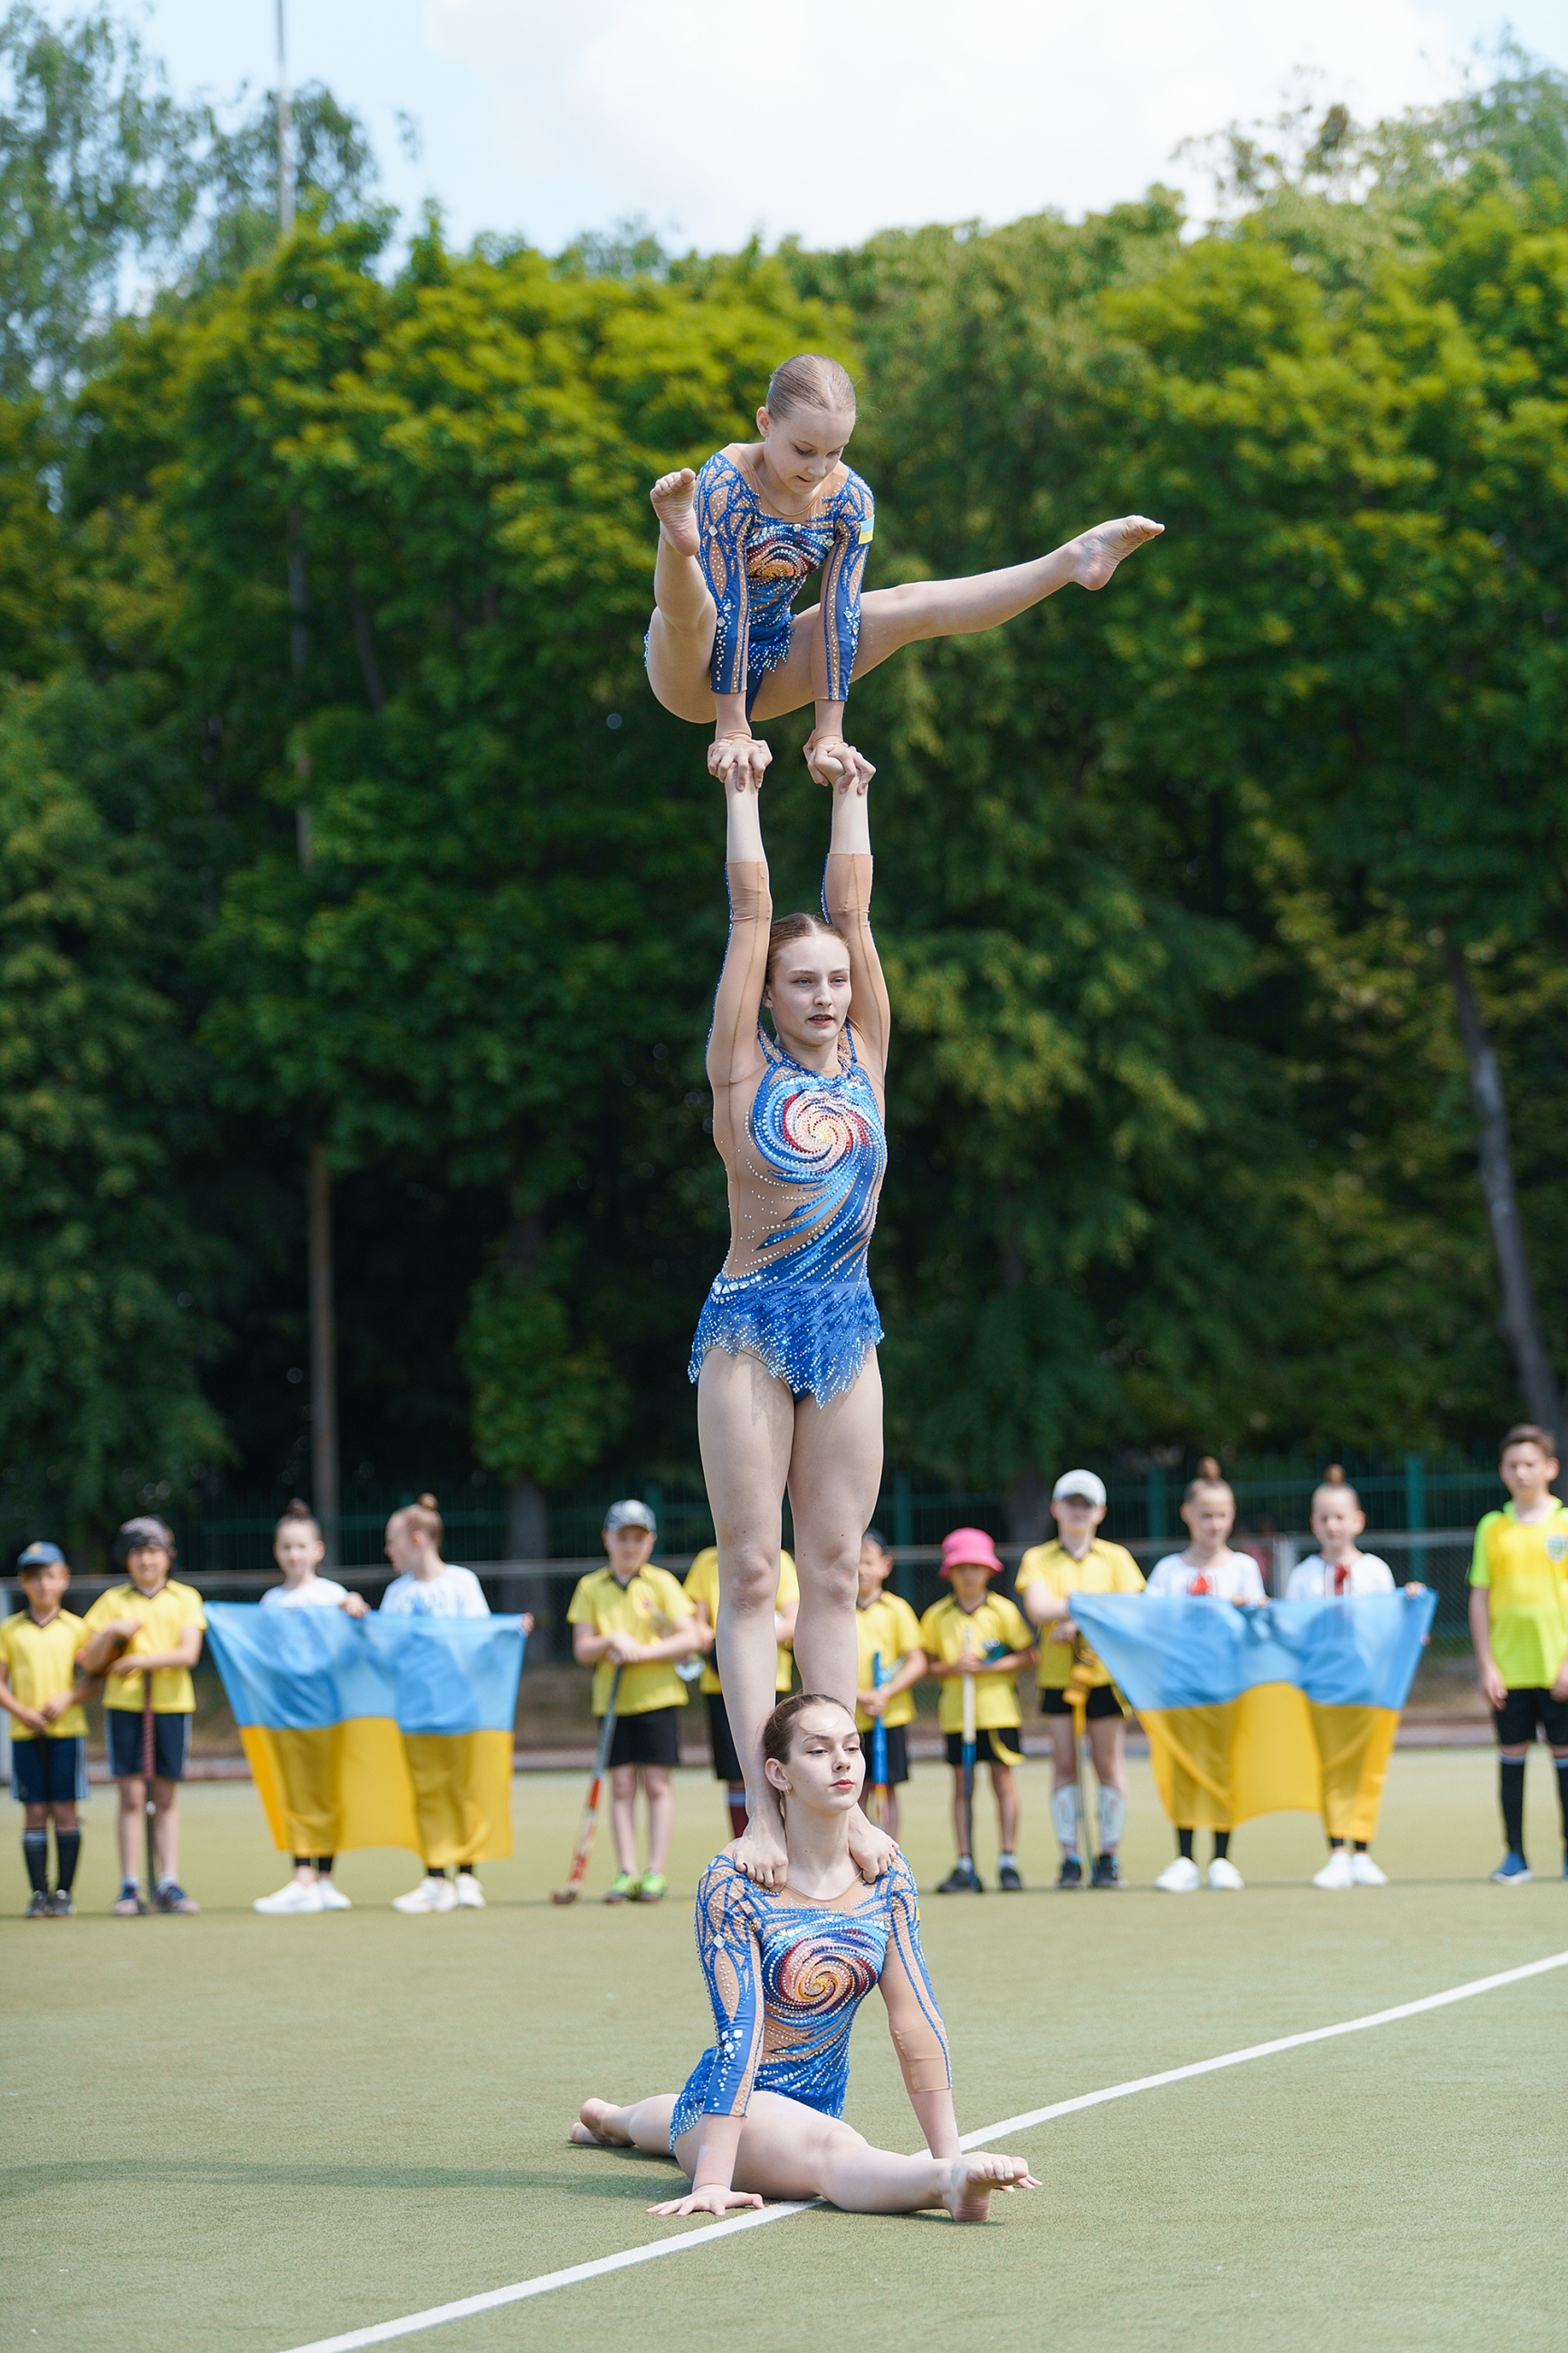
{"type": "Point", "coordinates": [1338, 1872]}
{"type": "Point", "coordinates": [1512, 1870]}
{"type": "Point", "coordinates": [1366, 1874]}
{"type": "Point", "coordinates": [430, 1895]}
{"type": "Point", "coordinates": [470, 1895]}
{"type": "Point", "coordinates": [1223, 1873]}
{"type": "Point", "coordinates": [300, 1895]}
{"type": "Point", "coordinates": [1181, 1877]}
{"type": "Point", "coordinates": [333, 1898]}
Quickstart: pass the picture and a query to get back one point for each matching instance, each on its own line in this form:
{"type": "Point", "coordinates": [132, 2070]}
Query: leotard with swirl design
{"type": "Point", "coordinates": [754, 563]}
{"type": "Point", "coordinates": [786, 1978]}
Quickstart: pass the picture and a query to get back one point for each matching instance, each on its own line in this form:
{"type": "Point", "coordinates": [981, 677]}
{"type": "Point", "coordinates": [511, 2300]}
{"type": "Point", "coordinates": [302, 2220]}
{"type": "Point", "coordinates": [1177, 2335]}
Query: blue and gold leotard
{"type": "Point", "coordinates": [818, 1152]}
{"type": "Point", "coordinates": [785, 1980]}
{"type": "Point", "coordinates": [754, 563]}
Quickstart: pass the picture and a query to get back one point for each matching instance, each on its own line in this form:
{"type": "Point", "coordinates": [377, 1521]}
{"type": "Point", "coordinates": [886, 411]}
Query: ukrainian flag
{"type": "Point", "coordinates": [375, 1730]}
{"type": "Point", "coordinates": [1291, 1705]}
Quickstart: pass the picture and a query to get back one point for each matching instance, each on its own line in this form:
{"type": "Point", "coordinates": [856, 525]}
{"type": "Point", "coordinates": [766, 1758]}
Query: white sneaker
{"type": "Point", "coordinates": [1224, 1873]}
{"type": "Point", "coordinates": [430, 1895]}
{"type": "Point", "coordinates": [1180, 1877]}
{"type": "Point", "coordinates": [1366, 1872]}
{"type": "Point", "coordinates": [300, 1895]}
{"type": "Point", "coordinates": [333, 1898]}
{"type": "Point", "coordinates": [470, 1895]}
{"type": "Point", "coordinates": [1337, 1872]}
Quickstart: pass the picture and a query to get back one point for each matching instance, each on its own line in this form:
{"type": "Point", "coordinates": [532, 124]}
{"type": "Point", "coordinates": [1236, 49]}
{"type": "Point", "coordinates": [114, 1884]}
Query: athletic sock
{"type": "Point", "coordinates": [130, 1887]}
{"type": "Point", "coordinates": [1184, 1845]}
{"type": "Point", "coordinates": [1510, 1791]}
{"type": "Point", "coordinates": [1563, 1795]}
{"type": "Point", "coordinates": [35, 1855]}
{"type": "Point", "coordinates": [68, 1847]}
{"type": "Point", "coordinates": [1221, 1845]}
{"type": "Point", "coordinates": [302, 1862]}
{"type": "Point", "coordinates": [1337, 1846]}
{"type": "Point", "coordinates": [1007, 1861]}
{"type": "Point", "coordinates": [1361, 1845]}
{"type": "Point", "coordinates": [324, 1864]}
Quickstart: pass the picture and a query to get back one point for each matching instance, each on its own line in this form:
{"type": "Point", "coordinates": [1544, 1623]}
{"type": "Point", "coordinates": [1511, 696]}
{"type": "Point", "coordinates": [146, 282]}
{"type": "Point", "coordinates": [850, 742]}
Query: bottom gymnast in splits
{"type": "Point", "coordinates": [762, 2114]}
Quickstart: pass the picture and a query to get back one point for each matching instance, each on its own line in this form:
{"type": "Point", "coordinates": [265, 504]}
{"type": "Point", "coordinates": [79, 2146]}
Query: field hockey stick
{"type": "Point", "coordinates": [967, 1769]}
{"type": "Point", "coordinates": [590, 1821]}
{"type": "Point", "coordinates": [1078, 1700]}
{"type": "Point", "coordinates": [879, 1751]}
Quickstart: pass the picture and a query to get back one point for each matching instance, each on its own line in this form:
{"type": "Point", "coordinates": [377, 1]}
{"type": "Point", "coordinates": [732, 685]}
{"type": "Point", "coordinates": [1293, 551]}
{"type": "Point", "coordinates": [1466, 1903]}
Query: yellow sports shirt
{"type": "Point", "coordinates": [1104, 1568]}
{"type": "Point", "coordinates": [702, 1585]}
{"type": "Point", "coordinates": [946, 1632]}
{"type": "Point", "coordinates": [649, 1607]}
{"type": "Point", "coordinates": [163, 1618]}
{"type": "Point", "coordinates": [1525, 1569]}
{"type": "Point", "coordinates": [888, 1625]}
{"type": "Point", "coordinates": [40, 1663]}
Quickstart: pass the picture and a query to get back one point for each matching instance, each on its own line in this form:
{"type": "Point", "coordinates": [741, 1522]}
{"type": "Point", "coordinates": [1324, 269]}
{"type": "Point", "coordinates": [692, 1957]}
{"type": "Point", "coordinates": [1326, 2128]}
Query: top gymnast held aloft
{"type": "Point", "coordinates": [737, 541]}
{"type": "Point", "coordinates": [785, 1358]}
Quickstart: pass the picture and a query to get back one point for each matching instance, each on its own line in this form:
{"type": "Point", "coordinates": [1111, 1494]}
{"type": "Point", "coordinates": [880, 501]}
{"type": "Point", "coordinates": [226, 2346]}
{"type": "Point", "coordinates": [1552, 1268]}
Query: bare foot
{"type": "Point", "coordinates": [972, 2181]}
{"type": "Point", "coordinates": [739, 762]}
{"type": "Point", "coordinates": [760, 1852]}
{"type": "Point", "coordinates": [831, 761]}
{"type": "Point", "coordinates": [871, 1851]}
{"type": "Point", "coordinates": [1099, 551]}
{"type": "Point", "coordinates": [593, 2129]}
{"type": "Point", "coordinates": [675, 503]}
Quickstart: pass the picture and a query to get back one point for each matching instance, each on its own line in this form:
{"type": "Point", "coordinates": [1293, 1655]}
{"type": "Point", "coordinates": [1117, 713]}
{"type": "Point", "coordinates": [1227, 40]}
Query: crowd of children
{"type": "Point", "coordinates": [647, 1635]}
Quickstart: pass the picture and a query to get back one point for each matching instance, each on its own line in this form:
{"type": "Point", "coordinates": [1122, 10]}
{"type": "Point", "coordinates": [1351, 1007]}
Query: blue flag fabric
{"type": "Point", "coordinates": [1173, 1649]}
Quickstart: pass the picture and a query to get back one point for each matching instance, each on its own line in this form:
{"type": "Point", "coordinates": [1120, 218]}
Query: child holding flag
{"type": "Point", "coordinates": [887, 1639]}
{"type": "Point", "coordinates": [703, 1590]}
{"type": "Point", "coordinates": [976, 1639]}
{"type": "Point", "coordinates": [42, 1691]}
{"type": "Point", "coordinates": [1519, 1626]}
{"type": "Point", "coordinates": [634, 1617]}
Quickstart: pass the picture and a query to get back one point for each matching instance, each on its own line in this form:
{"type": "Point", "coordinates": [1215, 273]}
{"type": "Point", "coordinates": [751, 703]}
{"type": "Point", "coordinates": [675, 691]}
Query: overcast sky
{"type": "Point", "coordinates": [829, 118]}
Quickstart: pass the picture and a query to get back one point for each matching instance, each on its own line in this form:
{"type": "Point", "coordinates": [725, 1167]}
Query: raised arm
{"type": "Point", "coordinates": [914, 2020]}
{"type": "Point", "coordinates": [846, 896]}
{"type": "Point", "coordinates": [733, 1055]}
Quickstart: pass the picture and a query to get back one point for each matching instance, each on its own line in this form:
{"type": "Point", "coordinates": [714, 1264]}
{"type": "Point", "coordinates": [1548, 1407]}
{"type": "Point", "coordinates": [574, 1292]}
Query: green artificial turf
{"type": "Point", "coordinates": [237, 2135]}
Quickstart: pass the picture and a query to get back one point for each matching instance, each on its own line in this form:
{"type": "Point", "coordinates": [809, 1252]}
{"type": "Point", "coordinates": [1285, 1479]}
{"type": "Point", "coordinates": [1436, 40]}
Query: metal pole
{"type": "Point", "coordinates": [324, 1354]}
{"type": "Point", "coordinates": [285, 136]}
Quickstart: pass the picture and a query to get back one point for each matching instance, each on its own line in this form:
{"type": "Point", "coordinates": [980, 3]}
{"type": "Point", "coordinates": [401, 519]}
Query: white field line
{"type": "Point", "coordinates": [384, 2331]}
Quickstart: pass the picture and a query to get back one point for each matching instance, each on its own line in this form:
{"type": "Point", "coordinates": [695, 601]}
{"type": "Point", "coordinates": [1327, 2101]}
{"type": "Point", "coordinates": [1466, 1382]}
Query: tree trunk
{"type": "Point", "coordinates": [527, 1520]}
{"type": "Point", "coordinates": [1519, 1324]}
{"type": "Point", "coordinates": [324, 1354]}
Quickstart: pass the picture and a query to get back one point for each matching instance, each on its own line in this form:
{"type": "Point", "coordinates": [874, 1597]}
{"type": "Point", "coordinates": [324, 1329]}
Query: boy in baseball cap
{"type": "Point", "coordinates": [978, 1634]}
{"type": "Point", "coordinates": [1079, 1561]}
{"type": "Point", "coordinates": [42, 1690]}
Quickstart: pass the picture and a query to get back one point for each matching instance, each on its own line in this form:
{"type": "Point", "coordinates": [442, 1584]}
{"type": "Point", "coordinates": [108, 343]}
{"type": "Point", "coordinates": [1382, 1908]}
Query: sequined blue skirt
{"type": "Point", "coordinates": [823, 2088]}
{"type": "Point", "coordinates": [764, 651]}
{"type": "Point", "coordinates": [813, 1336]}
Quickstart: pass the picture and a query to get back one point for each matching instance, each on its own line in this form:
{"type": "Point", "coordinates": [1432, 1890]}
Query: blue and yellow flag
{"type": "Point", "coordinates": [374, 1731]}
{"type": "Point", "coordinates": [1291, 1705]}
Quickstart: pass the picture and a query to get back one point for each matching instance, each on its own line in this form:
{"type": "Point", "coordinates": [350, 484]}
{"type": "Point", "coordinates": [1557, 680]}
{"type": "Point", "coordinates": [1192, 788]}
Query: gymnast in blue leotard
{"type": "Point", "coordinates": [788, 1391]}
{"type": "Point", "coordinates": [738, 540]}
{"type": "Point", "coordinates": [762, 2113]}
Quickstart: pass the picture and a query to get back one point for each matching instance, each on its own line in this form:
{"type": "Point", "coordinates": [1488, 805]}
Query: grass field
{"type": "Point", "coordinates": [233, 2135]}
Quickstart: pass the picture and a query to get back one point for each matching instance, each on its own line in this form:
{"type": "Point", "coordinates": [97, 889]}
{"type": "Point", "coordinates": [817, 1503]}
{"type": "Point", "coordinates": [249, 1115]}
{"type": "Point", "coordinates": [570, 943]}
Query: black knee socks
{"type": "Point", "coordinates": [1221, 1845]}
{"type": "Point", "coordinates": [68, 1847]}
{"type": "Point", "coordinates": [324, 1863]}
{"type": "Point", "coordinates": [1563, 1796]}
{"type": "Point", "coordinates": [35, 1855]}
{"type": "Point", "coordinates": [1510, 1791]}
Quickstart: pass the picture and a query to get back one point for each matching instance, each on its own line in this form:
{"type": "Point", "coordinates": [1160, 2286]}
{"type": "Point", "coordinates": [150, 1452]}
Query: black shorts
{"type": "Point", "coordinates": [171, 1744]}
{"type": "Point", "coordinates": [651, 1738]}
{"type": "Point", "coordinates": [726, 1763]}
{"type": "Point", "coordinates": [898, 1753]}
{"type": "Point", "coordinates": [1520, 1713]}
{"type": "Point", "coordinates": [997, 1747]}
{"type": "Point", "coordinates": [1102, 1701]}
{"type": "Point", "coordinates": [50, 1772]}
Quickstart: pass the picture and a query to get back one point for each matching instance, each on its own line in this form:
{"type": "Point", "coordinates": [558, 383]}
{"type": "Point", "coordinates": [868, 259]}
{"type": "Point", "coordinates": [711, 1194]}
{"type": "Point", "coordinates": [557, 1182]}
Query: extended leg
{"type": "Point", "coordinates": [645, 2124]}
{"type": "Point", "coordinates": [787, 2150]}
{"type": "Point", "coordinates": [745, 1426]}
{"type": "Point", "coordinates": [835, 1473]}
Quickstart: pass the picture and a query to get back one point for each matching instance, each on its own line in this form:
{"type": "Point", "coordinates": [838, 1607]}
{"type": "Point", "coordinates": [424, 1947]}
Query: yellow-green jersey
{"type": "Point", "coordinates": [1104, 1568]}
{"type": "Point", "coordinates": [702, 1585]}
{"type": "Point", "coordinates": [946, 1632]}
{"type": "Point", "coordinates": [886, 1627]}
{"type": "Point", "coordinates": [162, 1618]}
{"type": "Point", "coordinates": [40, 1664]}
{"type": "Point", "coordinates": [1522, 1565]}
{"type": "Point", "coordinates": [649, 1607]}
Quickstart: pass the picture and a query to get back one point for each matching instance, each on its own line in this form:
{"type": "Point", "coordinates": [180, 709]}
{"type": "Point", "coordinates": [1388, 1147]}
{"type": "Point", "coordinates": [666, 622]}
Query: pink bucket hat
{"type": "Point", "coordinates": [969, 1549]}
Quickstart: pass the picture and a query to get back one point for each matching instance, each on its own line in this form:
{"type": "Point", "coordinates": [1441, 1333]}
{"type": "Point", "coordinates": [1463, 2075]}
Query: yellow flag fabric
{"type": "Point", "coordinates": [1272, 1750]}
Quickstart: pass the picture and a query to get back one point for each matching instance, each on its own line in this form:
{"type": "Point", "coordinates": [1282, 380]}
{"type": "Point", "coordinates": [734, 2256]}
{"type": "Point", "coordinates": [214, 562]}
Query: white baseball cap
{"type": "Point", "coordinates": [630, 1513]}
{"type": "Point", "coordinates": [1085, 1483]}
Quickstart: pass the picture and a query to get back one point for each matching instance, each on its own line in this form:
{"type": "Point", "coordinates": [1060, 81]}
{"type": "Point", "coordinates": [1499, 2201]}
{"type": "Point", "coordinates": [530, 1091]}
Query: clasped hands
{"type": "Point", "coordinates": [739, 761]}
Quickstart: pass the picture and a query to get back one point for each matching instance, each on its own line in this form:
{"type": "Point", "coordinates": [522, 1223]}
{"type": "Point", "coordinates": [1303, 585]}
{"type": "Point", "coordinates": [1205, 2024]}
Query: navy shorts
{"type": "Point", "coordinates": [898, 1753]}
{"type": "Point", "coordinates": [1002, 1745]}
{"type": "Point", "coordinates": [651, 1738]}
{"type": "Point", "coordinates": [50, 1772]}
{"type": "Point", "coordinates": [1522, 1710]}
{"type": "Point", "coordinates": [171, 1744]}
{"type": "Point", "coordinates": [1100, 1701]}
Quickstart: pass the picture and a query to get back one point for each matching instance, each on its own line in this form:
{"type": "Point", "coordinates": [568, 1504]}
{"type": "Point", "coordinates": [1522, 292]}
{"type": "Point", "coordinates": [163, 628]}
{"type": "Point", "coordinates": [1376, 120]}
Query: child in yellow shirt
{"type": "Point", "coordinates": [886, 1629]}
{"type": "Point", "coordinates": [978, 1633]}
{"type": "Point", "coordinates": [42, 1691]}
